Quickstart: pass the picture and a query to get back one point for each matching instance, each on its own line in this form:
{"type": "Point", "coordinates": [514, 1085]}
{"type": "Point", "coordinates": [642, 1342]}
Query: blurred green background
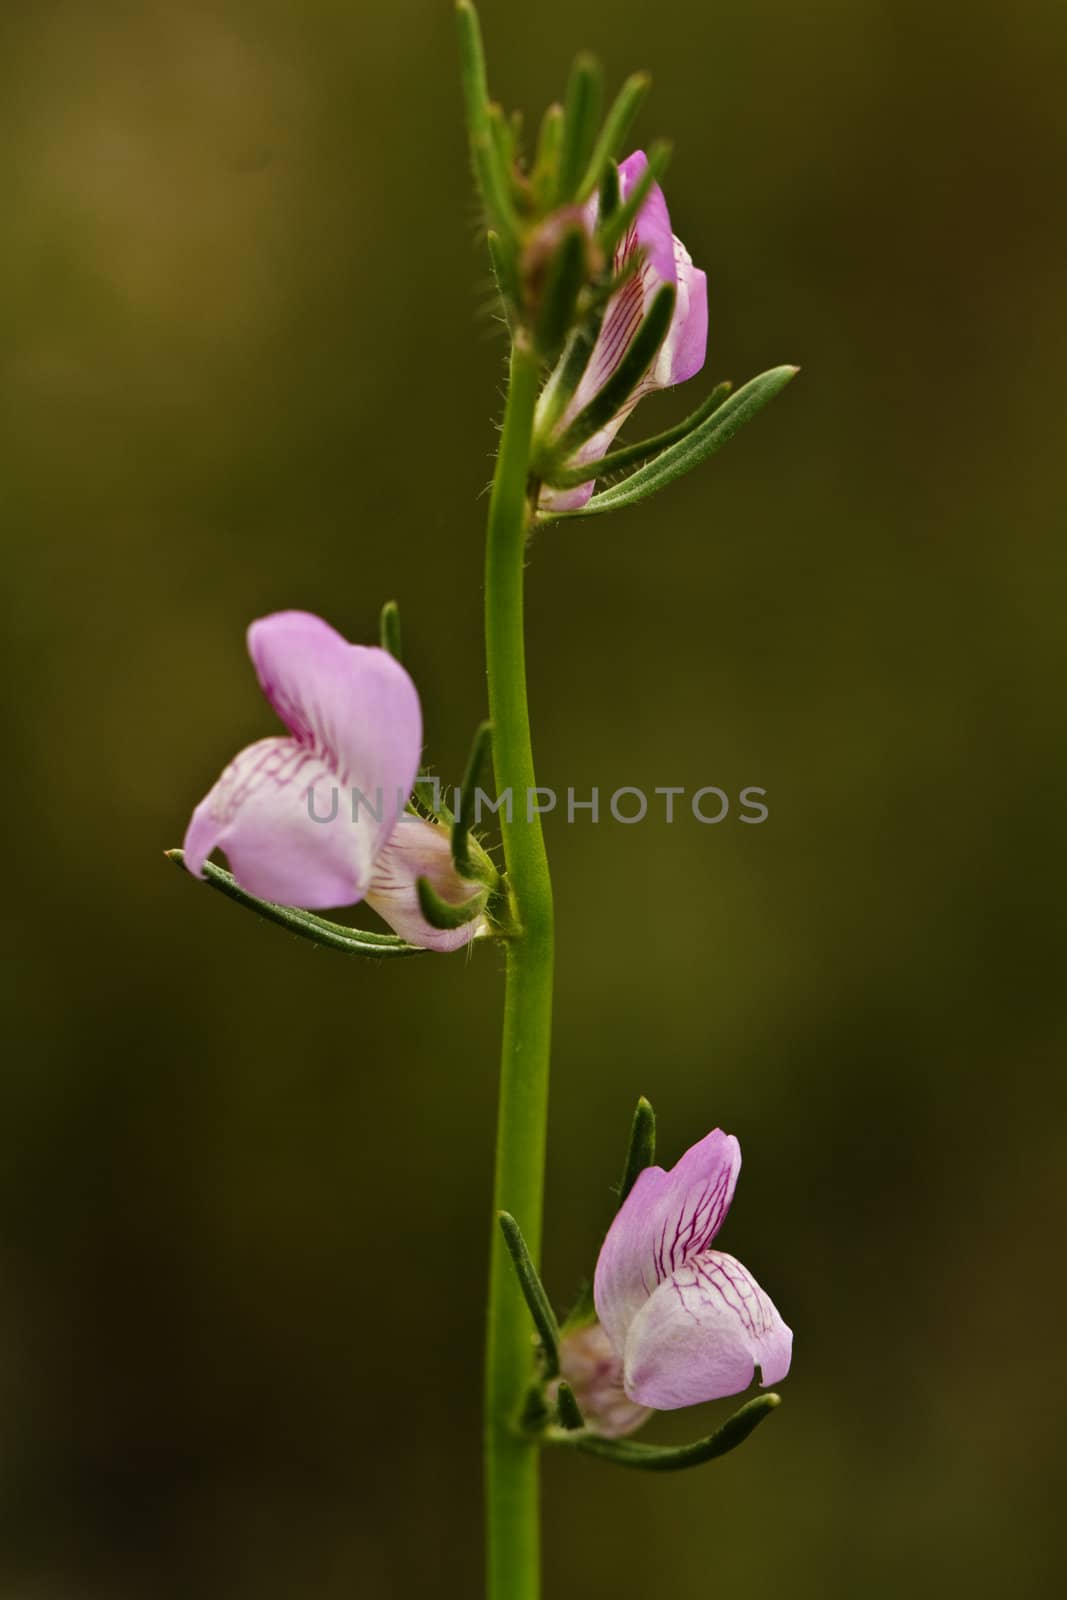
{"type": "Point", "coordinates": [244, 1183]}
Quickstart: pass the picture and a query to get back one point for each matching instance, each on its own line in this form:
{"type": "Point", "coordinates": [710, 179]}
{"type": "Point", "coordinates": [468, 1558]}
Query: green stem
{"type": "Point", "coordinates": [512, 1461]}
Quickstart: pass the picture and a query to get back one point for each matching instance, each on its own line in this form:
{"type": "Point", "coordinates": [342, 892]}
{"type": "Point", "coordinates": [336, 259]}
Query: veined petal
{"type": "Point", "coordinates": [420, 849]}
{"type": "Point", "coordinates": [667, 1218]}
{"type": "Point", "coordinates": [278, 813]}
{"type": "Point", "coordinates": [701, 1334]}
{"type": "Point", "coordinates": [353, 706]}
{"type": "Point", "coordinates": [652, 226]}
{"type": "Point", "coordinates": [683, 351]}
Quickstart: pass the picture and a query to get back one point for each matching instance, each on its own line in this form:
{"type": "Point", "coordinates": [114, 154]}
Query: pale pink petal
{"type": "Point", "coordinates": [285, 826]}
{"type": "Point", "coordinates": [701, 1335]}
{"type": "Point", "coordinates": [353, 706]}
{"type": "Point", "coordinates": [667, 1218]}
{"type": "Point", "coordinates": [683, 351]}
{"type": "Point", "coordinates": [420, 849]}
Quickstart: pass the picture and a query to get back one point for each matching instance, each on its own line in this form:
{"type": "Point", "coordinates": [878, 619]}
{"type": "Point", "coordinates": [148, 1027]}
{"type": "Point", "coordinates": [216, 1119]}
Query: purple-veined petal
{"type": "Point", "coordinates": [701, 1334]}
{"type": "Point", "coordinates": [278, 813]}
{"type": "Point", "coordinates": [668, 1217]}
{"type": "Point", "coordinates": [652, 225]}
{"type": "Point", "coordinates": [420, 849]}
{"type": "Point", "coordinates": [353, 705]}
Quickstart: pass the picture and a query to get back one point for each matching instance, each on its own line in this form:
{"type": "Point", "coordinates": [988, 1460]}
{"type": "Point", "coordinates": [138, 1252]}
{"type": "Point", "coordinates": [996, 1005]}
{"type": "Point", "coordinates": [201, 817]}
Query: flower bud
{"type": "Point", "coordinates": [590, 1365]}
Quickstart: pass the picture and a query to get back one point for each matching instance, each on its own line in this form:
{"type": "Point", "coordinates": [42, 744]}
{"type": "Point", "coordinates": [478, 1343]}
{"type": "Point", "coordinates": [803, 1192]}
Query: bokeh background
{"type": "Point", "coordinates": [244, 1183]}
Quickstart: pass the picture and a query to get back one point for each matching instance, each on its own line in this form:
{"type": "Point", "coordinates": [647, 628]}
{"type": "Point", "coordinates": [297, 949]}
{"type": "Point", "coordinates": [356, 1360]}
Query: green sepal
{"type": "Point", "coordinates": [443, 914]}
{"type": "Point", "coordinates": [564, 381]}
{"type": "Point", "coordinates": [676, 1458]}
{"type": "Point", "coordinates": [427, 799]}
{"type": "Point", "coordinates": [493, 177]}
{"type": "Point", "coordinates": [505, 271]}
{"type": "Point", "coordinates": [614, 229]}
{"type": "Point", "coordinates": [581, 114]}
{"type": "Point", "coordinates": [612, 135]}
{"type": "Point", "coordinates": [535, 1414]}
{"type": "Point", "coordinates": [502, 129]}
{"type": "Point", "coordinates": [609, 192]}
{"type": "Point", "coordinates": [567, 274]}
{"type": "Point", "coordinates": [389, 629]}
{"type": "Point", "coordinates": [633, 455]}
{"type": "Point", "coordinates": [544, 1318]}
{"type": "Point", "coordinates": [642, 1148]}
{"type": "Point", "coordinates": [477, 763]}
{"type": "Point", "coordinates": [690, 451]}
{"type": "Point", "coordinates": [570, 1412]}
{"type": "Point", "coordinates": [544, 175]}
{"type": "Point", "coordinates": [640, 354]}
{"type": "Point", "coordinates": [353, 941]}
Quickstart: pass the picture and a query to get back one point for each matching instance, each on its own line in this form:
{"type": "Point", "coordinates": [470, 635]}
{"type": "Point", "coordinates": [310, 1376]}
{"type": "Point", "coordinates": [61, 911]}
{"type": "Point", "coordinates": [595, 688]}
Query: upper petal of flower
{"type": "Point", "coordinates": [652, 227]}
{"type": "Point", "coordinates": [353, 705]}
{"type": "Point", "coordinates": [701, 1335]}
{"type": "Point", "coordinates": [282, 842]}
{"type": "Point", "coordinates": [420, 849]}
{"type": "Point", "coordinates": [667, 1218]}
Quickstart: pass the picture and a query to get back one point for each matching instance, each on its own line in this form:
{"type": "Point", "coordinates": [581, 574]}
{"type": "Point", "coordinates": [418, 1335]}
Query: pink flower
{"type": "Point", "coordinates": [317, 817]}
{"type": "Point", "coordinates": [686, 1323]}
{"type": "Point", "coordinates": [681, 355]}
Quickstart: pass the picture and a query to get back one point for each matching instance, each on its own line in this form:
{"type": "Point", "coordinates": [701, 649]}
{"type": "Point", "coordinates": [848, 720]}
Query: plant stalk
{"type": "Point", "coordinates": [512, 1460]}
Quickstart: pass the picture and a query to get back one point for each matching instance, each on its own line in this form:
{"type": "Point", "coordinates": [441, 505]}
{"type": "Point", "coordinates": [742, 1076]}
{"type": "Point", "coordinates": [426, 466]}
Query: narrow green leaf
{"type": "Point", "coordinates": [505, 271]}
{"type": "Point", "coordinates": [609, 192]}
{"type": "Point", "coordinates": [564, 381]}
{"type": "Point", "coordinates": [544, 1318]}
{"type": "Point", "coordinates": [443, 914]}
{"type": "Point", "coordinates": [491, 175]}
{"type": "Point", "coordinates": [639, 356]}
{"type": "Point", "coordinates": [570, 1412]}
{"type": "Point", "coordinates": [354, 941]}
{"type": "Point", "coordinates": [567, 273]}
{"type": "Point", "coordinates": [632, 455]}
{"type": "Point", "coordinates": [676, 1458]}
{"type": "Point", "coordinates": [642, 1149]}
{"type": "Point", "coordinates": [477, 764]}
{"type": "Point", "coordinates": [615, 228]}
{"type": "Point", "coordinates": [694, 448]}
{"type": "Point", "coordinates": [544, 176]}
{"type": "Point", "coordinates": [585, 93]}
{"type": "Point", "coordinates": [503, 133]}
{"type": "Point", "coordinates": [612, 135]}
{"type": "Point", "coordinates": [389, 629]}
